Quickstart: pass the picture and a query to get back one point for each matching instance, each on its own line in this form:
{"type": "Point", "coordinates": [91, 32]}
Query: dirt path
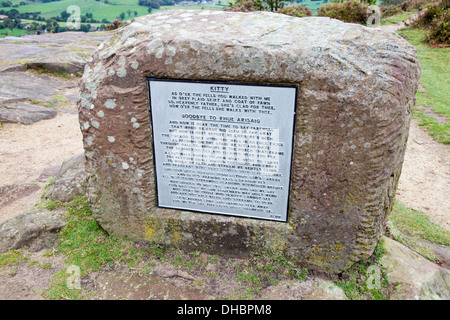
{"type": "Point", "coordinates": [425, 180]}
{"type": "Point", "coordinates": [396, 26]}
{"type": "Point", "coordinates": [26, 150]}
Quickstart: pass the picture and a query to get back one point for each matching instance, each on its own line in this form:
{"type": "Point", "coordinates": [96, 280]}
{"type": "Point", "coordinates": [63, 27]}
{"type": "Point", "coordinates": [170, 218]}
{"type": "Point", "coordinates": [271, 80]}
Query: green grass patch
{"type": "Point", "coordinates": [87, 245]}
{"type": "Point", "coordinates": [418, 225]}
{"type": "Point", "coordinates": [412, 227]}
{"type": "Point", "coordinates": [435, 82]}
{"type": "Point", "coordinates": [366, 280]}
{"type": "Point", "coordinates": [403, 16]}
{"type": "Point", "coordinates": [263, 270]}
{"type": "Point", "coordinates": [12, 257]}
{"type": "Point", "coordinates": [15, 32]}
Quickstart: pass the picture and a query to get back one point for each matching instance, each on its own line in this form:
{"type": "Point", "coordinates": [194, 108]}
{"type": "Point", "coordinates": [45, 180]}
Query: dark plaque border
{"type": "Point", "coordinates": [226, 83]}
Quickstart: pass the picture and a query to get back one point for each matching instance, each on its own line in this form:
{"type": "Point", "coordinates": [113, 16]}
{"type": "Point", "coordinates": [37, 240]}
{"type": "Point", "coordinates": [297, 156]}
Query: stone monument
{"type": "Point", "coordinates": [234, 133]}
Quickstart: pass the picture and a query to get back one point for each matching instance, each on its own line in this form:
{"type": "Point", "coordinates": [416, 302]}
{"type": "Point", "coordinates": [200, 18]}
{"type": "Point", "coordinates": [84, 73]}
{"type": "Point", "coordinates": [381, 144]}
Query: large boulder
{"type": "Point", "coordinates": [356, 90]}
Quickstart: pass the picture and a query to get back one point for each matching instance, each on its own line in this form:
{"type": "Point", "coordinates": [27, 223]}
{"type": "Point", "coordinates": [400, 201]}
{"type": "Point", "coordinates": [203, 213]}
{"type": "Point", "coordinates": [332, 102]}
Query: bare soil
{"type": "Point", "coordinates": [26, 150]}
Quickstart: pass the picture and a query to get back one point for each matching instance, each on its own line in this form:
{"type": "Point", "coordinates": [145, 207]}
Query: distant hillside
{"type": "Point", "coordinates": [19, 17]}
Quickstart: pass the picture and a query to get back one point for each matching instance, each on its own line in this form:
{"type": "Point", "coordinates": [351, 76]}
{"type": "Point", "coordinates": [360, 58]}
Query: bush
{"type": "Point", "coordinates": [440, 29]}
{"type": "Point", "coordinates": [435, 20]}
{"type": "Point", "coordinates": [349, 11]}
{"type": "Point", "coordinates": [255, 5]}
{"type": "Point", "coordinates": [390, 11]}
{"type": "Point", "coordinates": [116, 24]}
{"type": "Point", "coordinates": [245, 6]}
{"type": "Point", "coordinates": [433, 11]}
{"type": "Point", "coordinates": [296, 11]}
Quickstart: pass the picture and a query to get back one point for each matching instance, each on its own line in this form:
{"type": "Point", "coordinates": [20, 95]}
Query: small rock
{"type": "Point", "coordinates": [312, 289]}
{"type": "Point", "coordinates": [23, 230]}
{"type": "Point", "coordinates": [70, 181]}
{"type": "Point", "coordinates": [211, 268]}
{"type": "Point", "coordinates": [414, 277]}
{"type": "Point", "coordinates": [49, 172]}
{"type": "Point", "coordinates": [13, 192]}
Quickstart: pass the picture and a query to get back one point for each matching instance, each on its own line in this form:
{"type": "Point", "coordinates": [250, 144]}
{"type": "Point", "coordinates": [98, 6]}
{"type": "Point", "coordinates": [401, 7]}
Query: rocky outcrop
{"type": "Point", "coordinates": [25, 113]}
{"type": "Point", "coordinates": [36, 230]}
{"type": "Point", "coordinates": [62, 52]}
{"type": "Point", "coordinates": [356, 89]}
{"type": "Point", "coordinates": [412, 276]}
{"type": "Point", "coordinates": [66, 63]}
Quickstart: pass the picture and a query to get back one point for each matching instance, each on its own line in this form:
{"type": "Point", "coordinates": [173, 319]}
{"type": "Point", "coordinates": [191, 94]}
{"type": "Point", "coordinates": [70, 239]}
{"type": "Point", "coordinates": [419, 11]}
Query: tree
{"type": "Point", "coordinates": [122, 16]}
{"type": "Point", "coordinates": [154, 4]}
{"type": "Point", "coordinates": [8, 23]}
{"type": "Point", "coordinates": [65, 15]}
{"type": "Point", "coordinates": [274, 5]}
{"type": "Point", "coordinates": [12, 14]}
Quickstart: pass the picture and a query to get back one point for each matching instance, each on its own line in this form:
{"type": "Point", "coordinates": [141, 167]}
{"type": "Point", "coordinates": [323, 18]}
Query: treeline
{"type": "Point", "coordinates": [156, 4]}
{"type": "Point", "coordinates": [87, 18]}
{"type": "Point", "coordinates": [14, 21]}
{"type": "Point", "coordinates": [7, 4]}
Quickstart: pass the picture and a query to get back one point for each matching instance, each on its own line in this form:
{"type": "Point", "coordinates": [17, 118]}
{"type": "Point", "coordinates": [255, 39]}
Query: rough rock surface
{"type": "Point", "coordinates": [41, 225]}
{"type": "Point", "coordinates": [20, 86]}
{"type": "Point", "coordinates": [12, 192]}
{"type": "Point", "coordinates": [69, 182]}
{"type": "Point", "coordinates": [356, 89]}
{"type": "Point", "coordinates": [67, 63]}
{"type": "Point", "coordinates": [25, 113]}
{"type": "Point", "coordinates": [414, 277]}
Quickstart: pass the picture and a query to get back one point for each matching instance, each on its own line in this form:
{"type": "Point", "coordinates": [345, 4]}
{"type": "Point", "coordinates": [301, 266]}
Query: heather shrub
{"type": "Point", "coordinates": [439, 33]}
{"type": "Point", "coordinates": [388, 11]}
{"type": "Point", "coordinates": [348, 11]}
{"type": "Point", "coordinates": [245, 6]}
{"type": "Point", "coordinates": [296, 11]}
{"type": "Point", "coordinates": [435, 19]}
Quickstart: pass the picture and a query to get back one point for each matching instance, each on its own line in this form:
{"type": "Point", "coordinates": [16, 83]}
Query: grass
{"type": "Point", "coordinates": [357, 281]}
{"type": "Point", "coordinates": [88, 246]}
{"type": "Point", "coordinates": [411, 228]}
{"type": "Point", "coordinates": [15, 32]}
{"type": "Point", "coordinates": [12, 257]}
{"type": "Point", "coordinates": [418, 225]}
{"type": "Point", "coordinates": [435, 82]}
{"type": "Point", "coordinates": [99, 9]}
{"type": "Point", "coordinates": [398, 17]}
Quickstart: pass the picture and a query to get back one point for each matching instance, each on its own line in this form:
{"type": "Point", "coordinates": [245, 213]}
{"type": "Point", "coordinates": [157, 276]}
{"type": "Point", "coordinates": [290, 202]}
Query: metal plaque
{"type": "Point", "coordinates": [223, 148]}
